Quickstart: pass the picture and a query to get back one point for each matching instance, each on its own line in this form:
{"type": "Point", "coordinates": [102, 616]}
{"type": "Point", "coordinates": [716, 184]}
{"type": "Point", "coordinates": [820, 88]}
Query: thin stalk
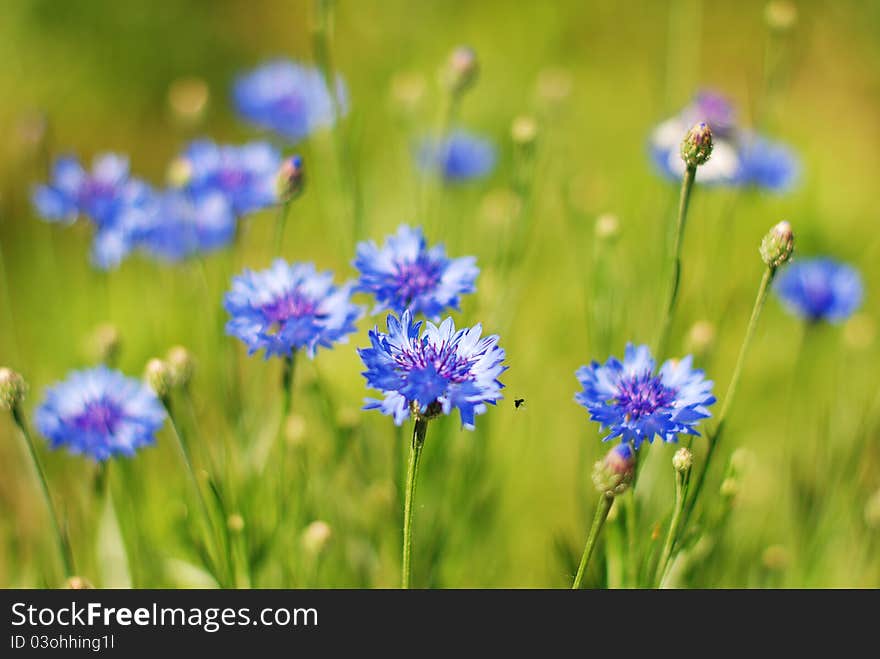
{"type": "Point", "coordinates": [61, 538]}
{"type": "Point", "coordinates": [280, 223]}
{"type": "Point", "coordinates": [598, 522]}
{"type": "Point", "coordinates": [714, 438]}
{"type": "Point", "coordinates": [208, 526]}
{"type": "Point", "coordinates": [672, 534]}
{"type": "Point", "coordinates": [687, 183]}
{"type": "Point", "coordinates": [418, 440]}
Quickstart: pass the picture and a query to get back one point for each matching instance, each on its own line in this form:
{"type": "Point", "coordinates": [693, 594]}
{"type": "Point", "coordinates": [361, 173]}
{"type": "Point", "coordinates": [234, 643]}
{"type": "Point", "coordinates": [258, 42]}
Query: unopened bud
{"type": "Point", "coordinates": [106, 342]}
{"type": "Point", "coordinates": [697, 145]}
{"type": "Point", "coordinates": [461, 69]}
{"type": "Point", "coordinates": [607, 227]}
{"type": "Point", "coordinates": [290, 180]}
{"type": "Point", "coordinates": [235, 523]}
{"type": "Point", "coordinates": [700, 337]}
{"type": "Point", "coordinates": [316, 537]}
{"type": "Point", "coordinates": [613, 474]}
{"type": "Point", "coordinates": [683, 460]}
{"type": "Point", "coordinates": [179, 173]}
{"type": "Point", "coordinates": [523, 131]}
{"type": "Point", "coordinates": [12, 389]}
{"type": "Point", "coordinates": [181, 366]}
{"type": "Point", "coordinates": [777, 246]}
{"type": "Point", "coordinates": [158, 376]}
{"type": "Point", "coordinates": [79, 583]}
{"type": "Point", "coordinates": [780, 15]}
{"type": "Point", "coordinates": [187, 99]}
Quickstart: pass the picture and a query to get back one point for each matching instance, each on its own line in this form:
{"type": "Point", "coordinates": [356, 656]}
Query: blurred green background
{"type": "Point", "coordinates": [505, 505]}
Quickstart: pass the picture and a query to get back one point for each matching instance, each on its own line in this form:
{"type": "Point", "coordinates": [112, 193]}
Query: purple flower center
{"type": "Point", "coordinates": [230, 178]}
{"type": "Point", "coordinates": [642, 395]}
{"type": "Point", "coordinates": [442, 359]}
{"type": "Point", "coordinates": [292, 304]}
{"type": "Point", "coordinates": [101, 416]}
{"type": "Point", "coordinates": [416, 278]}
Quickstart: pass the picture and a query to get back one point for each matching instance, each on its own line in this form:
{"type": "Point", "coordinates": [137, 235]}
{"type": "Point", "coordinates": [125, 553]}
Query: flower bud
{"type": "Point", "coordinates": [697, 145]}
{"type": "Point", "coordinates": [179, 172]}
{"type": "Point", "coordinates": [79, 583]}
{"type": "Point", "coordinates": [683, 460]}
{"type": "Point", "coordinates": [700, 337]}
{"type": "Point", "coordinates": [613, 474]}
{"type": "Point", "coordinates": [181, 366]}
{"type": "Point", "coordinates": [523, 131]}
{"type": "Point", "coordinates": [461, 69]}
{"type": "Point", "coordinates": [780, 15]}
{"type": "Point", "coordinates": [187, 99]}
{"type": "Point", "coordinates": [777, 246]}
{"type": "Point", "coordinates": [12, 389]}
{"type": "Point", "coordinates": [607, 227]}
{"type": "Point", "coordinates": [106, 342]}
{"type": "Point", "coordinates": [157, 375]}
{"type": "Point", "coordinates": [290, 179]}
{"type": "Point", "coordinates": [235, 523]}
{"type": "Point", "coordinates": [316, 537]}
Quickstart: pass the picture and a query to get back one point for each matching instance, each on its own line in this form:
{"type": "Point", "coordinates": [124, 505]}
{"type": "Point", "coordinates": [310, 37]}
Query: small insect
{"type": "Point", "coordinates": [519, 402]}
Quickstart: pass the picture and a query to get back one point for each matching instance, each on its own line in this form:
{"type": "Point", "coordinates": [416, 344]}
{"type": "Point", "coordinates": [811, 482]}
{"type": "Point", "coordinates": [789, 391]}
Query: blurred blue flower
{"type": "Point", "coordinates": [288, 307]}
{"type": "Point", "coordinates": [245, 174]}
{"type": "Point", "coordinates": [405, 274]}
{"type": "Point", "coordinates": [441, 370]}
{"type": "Point", "coordinates": [739, 156]}
{"type": "Point", "coordinates": [820, 289]}
{"type": "Point", "coordinates": [184, 224]}
{"type": "Point", "coordinates": [459, 157]}
{"type": "Point", "coordinates": [287, 98]}
{"type": "Point", "coordinates": [101, 413]}
{"type": "Point", "coordinates": [635, 404]}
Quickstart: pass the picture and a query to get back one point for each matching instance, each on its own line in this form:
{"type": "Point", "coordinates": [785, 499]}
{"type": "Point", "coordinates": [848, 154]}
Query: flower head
{"type": "Point", "coordinates": [778, 245]}
{"type": "Point", "coordinates": [820, 289]}
{"type": "Point", "coordinates": [245, 175]}
{"type": "Point", "coordinates": [696, 148]}
{"type": "Point", "coordinates": [101, 413]}
{"type": "Point", "coordinates": [459, 157]}
{"type": "Point", "coordinates": [634, 403]}
{"type": "Point", "coordinates": [461, 69]}
{"type": "Point", "coordinates": [12, 389]}
{"type": "Point", "coordinates": [613, 474]}
{"type": "Point", "coordinates": [290, 179]}
{"type": "Point", "coordinates": [404, 274]}
{"type": "Point", "coordinates": [434, 371]}
{"type": "Point", "coordinates": [288, 307]}
{"type": "Point", "coordinates": [287, 98]}
{"type": "Point", "coordinates": [184, 224]}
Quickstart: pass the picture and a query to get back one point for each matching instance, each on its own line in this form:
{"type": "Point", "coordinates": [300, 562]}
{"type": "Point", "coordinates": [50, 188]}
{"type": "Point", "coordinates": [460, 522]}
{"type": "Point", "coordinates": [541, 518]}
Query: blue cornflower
{"type": "Point", "coordinates": [405, 274]}
{"type": "Point", "coordinates": [101, 413]}
{"type": "Point", "coordinates": [440, 370]}
{"type": "Point", "coordinates": [185, 224]}
{"type": "Point", "coordinates": [287, 98]}
{"type": "Point", "coordinates": [288, 307]}
{"type": "Point", "coordinates": [739, 156]}
{"type": "Point", "coordinates": [635, 404]}
{"type": "Point", "coordinates": [244, 174]}
{"type": "Point", "coordinates": [459, 157]}
{"type": "Point", "coordinates": [820, 289]}
{"type": "Point", "coordinates": [112, 200]}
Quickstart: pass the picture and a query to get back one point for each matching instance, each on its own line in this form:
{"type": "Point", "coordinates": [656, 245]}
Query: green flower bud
{"type": "Point", "coordinates": [181, 366]}
{"type": "Point", "coordinates": [316, 537]}
{"type": "Point", "coordinates": [700, 337]}
{"type": "Point", "coordinates": [778, 245]}
{"type": "Point", "coordinates": [290, 180]}
{"type": "Point", "coordinates": [613, 474]}
{"type": "Point", "coordinates": [461, 69]}
{"type": "Point", "coordinates": [607, 227]}
{"type": "Point", "coordinates": [524, 131]}
{"type": "Point", "coordinates": [157, 375]}
{"type": "Point", "coordinates": [697, 145]}
{"type": "Point", "coordinates": [683, 460]}
{"type": "Point", "coordinates": [12, 389]}
{"type": "Point", "coordinates": [235, 523]}
{"type": "Point", "coordinates": [780, 15]}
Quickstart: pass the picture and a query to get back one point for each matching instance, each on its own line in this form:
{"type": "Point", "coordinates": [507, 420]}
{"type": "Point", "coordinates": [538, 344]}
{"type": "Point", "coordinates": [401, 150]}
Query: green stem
{"type": "Point", "coordinates": [672, 533]}
{"type": "Point", "coordinates": [60, 535]}
{"type": "Point", "coordinates": [207, 524]}
{"type": "Point", "coordinates": [714, 438]}
{"type": "Point", "coordinates": [687, 183]}
{"type": "Point", "coordinates": [280, 223]}
{"type": "Point", "coordinates": [418, 440]}
{"type": "Point", "coordinates": [598, 522]}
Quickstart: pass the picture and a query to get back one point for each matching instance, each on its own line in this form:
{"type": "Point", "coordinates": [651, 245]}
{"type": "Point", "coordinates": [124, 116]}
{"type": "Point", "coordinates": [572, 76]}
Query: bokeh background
{"type": "Point", "coordinates": [508, 504]}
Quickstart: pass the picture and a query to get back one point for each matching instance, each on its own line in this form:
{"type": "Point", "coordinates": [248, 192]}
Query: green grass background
{"type": "Point", "coordinates": [507, 504]}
